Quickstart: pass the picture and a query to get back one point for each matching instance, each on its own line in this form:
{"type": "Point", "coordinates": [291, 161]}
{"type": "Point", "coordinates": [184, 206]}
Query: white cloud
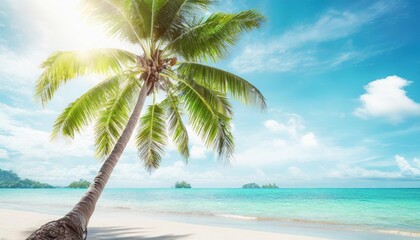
{"type": "Point", "coordinates": [346, 172]}
{"type": "Point", "coordinates": [297, 173]}
{"type": "Point", "coordinates": [309, 140]}
{"type": "Point", "coordinates": [16, 69]}
{"type": "Point", "coordinates": [293, 129]}
{"type": "Point", "coordinates": [198, 152]}
{"type": "Point", "coordinates": [280, 152]}
{"type": "Point", "coordinates": [405, 171]}
{"type": "Point", "coordinates": [286, 141]}
{"type": "Point", "coordinates": [279, 143]}
{"type": "Point", "coordinates": [4, 154]}
{"type": "Point", "coordinates": [175, 171]}
{"type": "Point", "coordinates": [60, 174]}
{"type": "Point", "coordinates": [416, 162]}
{"type": "Point", "coordinates": [21, 112]}
{"type": "Point", "coordinates": [128, 172]}
{"type": "Point", "coordinates": [297, 48]}
{"type": "Point", "coordinates": [274, 126]}
{"type": "Point", "coordinates": [31, 143]}
{"type": "Point", "coordinates": [386, 98]}
{"type": "Point", "coordinates": [293, 124]}
{"type": "Point", "coordinates": [406, 168]}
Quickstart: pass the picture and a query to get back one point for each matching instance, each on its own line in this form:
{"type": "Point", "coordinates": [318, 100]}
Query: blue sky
{"type": "Point", "coordinates": [341, 78]}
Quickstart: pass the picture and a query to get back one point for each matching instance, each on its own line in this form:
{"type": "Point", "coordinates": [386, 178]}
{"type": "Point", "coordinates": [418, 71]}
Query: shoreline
{"type": "Point", "coordinates": [323, 214]}
{"type": "Point", "coordinates": [18, 224]}
{"type": "Point", "coordinates": [108, 223]}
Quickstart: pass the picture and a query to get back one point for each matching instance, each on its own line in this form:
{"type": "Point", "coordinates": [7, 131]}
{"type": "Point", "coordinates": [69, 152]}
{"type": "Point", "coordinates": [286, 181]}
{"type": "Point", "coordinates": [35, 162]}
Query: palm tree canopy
{"type": "Point", "coordinates": [176, 41]}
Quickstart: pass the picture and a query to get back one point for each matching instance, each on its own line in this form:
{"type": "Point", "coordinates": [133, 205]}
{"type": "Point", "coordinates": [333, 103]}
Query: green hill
{"type": "Point", "coordinates": [251, 185]}
{"type": "Point", "coordinates": [270, 186]}
{"type": "Point", "coordinates": [182, 184]}
{"type": "Point", "coordinates": [8, 176]}
{"type": "Point", "coordinates": [254, 185]}
{"type": "Point", "coordinates": [79, 184]}
{"type": "Point", "coordinates": [9, 179]}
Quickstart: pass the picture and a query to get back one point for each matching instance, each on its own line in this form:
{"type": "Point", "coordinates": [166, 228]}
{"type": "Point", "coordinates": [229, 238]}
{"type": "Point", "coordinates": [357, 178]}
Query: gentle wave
{"type": "Point", "coordinates": [389, 231]}
{"type": "Point", "coordinates": [236, 216]}
{"type": "Point", "coordinates": [351, 227]}
{"type": "Point", "coordinates": [370, 210]}
{"type": "Point", "coordinates": [252, 218]}
{"type": "Point", "coordinates": [121, 207]}
{"type": "Point", "coordinates": [325, 223]}
{"type": "Point", "coordinates": [399, 232]}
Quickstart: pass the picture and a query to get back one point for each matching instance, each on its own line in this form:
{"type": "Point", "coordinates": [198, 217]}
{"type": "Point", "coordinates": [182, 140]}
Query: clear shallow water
{"type": "Point", "coordinates": [383, 210]}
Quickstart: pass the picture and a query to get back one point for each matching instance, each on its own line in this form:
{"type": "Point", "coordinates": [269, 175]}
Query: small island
{"type": "Point", "coordinates": [251, 185]}
{"type": "Point", "coordinates": [9, 179]}
{"type": "Point", "coordinates": [270, 185]}
{"type": "Point", "coordinates": [79, 184]}
{"type": "Point", "coordinates": [182, 184]}
{"type": "Point", "coordinates": [254, 185]}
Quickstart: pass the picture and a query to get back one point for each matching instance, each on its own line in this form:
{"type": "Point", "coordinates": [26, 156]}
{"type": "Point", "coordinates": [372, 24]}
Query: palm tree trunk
{"type": "Point", "coordinates": [74, 224]}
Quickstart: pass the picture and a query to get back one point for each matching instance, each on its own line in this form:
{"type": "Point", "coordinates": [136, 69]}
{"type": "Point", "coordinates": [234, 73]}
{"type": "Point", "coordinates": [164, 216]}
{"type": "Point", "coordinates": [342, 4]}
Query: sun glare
{"type": "Point", "coordinates": [65, 26]}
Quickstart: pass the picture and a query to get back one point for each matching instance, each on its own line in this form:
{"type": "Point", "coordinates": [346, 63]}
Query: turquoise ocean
{"type": "Point", "coordinates": [395, 213]}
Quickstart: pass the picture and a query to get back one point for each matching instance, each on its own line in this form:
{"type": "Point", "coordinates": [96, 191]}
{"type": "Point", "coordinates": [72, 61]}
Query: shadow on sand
{"type": "Point", "coordinates": [124, 233]}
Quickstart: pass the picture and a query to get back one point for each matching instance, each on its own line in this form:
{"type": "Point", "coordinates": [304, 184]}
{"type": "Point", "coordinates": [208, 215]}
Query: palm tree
{"type": "Point", "coordinates": [175, 40]}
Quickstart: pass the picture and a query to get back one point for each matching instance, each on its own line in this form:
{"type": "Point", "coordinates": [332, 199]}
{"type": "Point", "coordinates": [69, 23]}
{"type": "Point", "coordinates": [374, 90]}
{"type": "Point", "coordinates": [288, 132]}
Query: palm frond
{"type": "Point", "coordinates": [174, 15]}
{"type": "Point", "coordinates": [141, 15]}
{"type": "Point", "coordinates": [225, 142]}
{"type": "Point", "coordinates": [211, 38]}
{"type": "Point", "coordinates": [118, 17]}
{"type": "Point", "coordinates": [155, 6]}
{"type": "Point", "coordinates": [63, 66]}
{"type": "Point", "coordinates": [85, 109]}
{"type": "Point", "coordinates": [223, 81]}
{"type": "Point", "coordinates": [218, 100]}
{"type": "Point", "coordinates": [114, 117]}
{"type": "Point", "coordinates": [151, 137]}
{"type": "Point", "coordinates": [206, 119]}
{"type": "Point", "coordinates": [215, 100]}
{"type": "Point", "coordinates": [176, 127]}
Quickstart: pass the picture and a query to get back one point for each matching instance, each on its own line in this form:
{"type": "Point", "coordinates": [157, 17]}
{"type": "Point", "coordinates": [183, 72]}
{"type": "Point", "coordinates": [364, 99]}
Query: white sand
{"type": "Point", "coordinates": [16, 224]}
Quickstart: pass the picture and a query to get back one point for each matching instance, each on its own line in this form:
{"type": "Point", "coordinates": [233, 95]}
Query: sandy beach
{"type": "Point", "coordinates": [17, 224]}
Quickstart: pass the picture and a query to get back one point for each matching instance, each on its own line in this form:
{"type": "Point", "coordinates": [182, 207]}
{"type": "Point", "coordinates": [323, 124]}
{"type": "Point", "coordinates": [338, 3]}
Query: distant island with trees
{"type": "Point", "coordinates": [79, 184]}
{"type": "Point", "coordinates": [9, 179]}
{"type": "Point", "coordinates": [182, 184]}
{"type": "Point", "coordinates": [254, 185]}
